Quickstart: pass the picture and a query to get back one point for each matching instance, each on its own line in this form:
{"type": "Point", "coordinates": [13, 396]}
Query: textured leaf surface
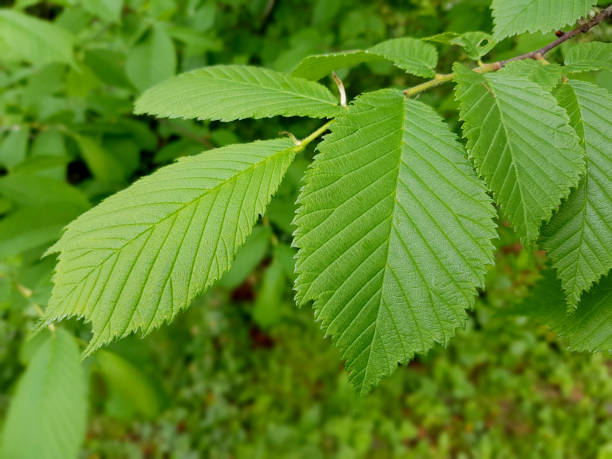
{"type": "Point", "coordinates": [143, 254]}
{"type": "Point", "coordinates": [522, 144]}
{"type": "Point", "coordinates": [578, 238]}
{"type": "Point", "coordinates": [512, 17]}
{"type": "Point", "coordinates": [394, 231]}
{"type": "Point", "coordinates": [39, 42]}
{"type": "Point", "coordinates": [588, 328]}
{"type": "Point", "coordinates": [585, 57]}
{"type": "Point", "coordinates": [231, 92]}
{"type": "Point", "coordinates": [47, 415]}
{"type": "Point", "coordinates": [411, 55]}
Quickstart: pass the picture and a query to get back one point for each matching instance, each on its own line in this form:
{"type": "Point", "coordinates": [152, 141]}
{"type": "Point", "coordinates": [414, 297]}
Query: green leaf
{"type": "Point", "coordinates": [34, 226]}
{"type": "Point", "coordinates": [476, 44]}
{"type": "Point", "coordinates": [547, 76]}
{"type": "Point", "coordinates": [320, 65]}
{"type": "Point", "coordinates": [24, 37]}
{"type": "Point", "coordinates": [267, 310]}
{"type": "Point", "coordinates": [410, 54]}
{"type": "Point", "coordinates": [521, 143]}
{"type": "Point", "coordinates": [588, 328]}
{"type": "Point", "coordinates": [47, 416]}
{"type": "Point", "coordinates": [394, 231]}
{"type": "Point", "coordinates": [586, 57]}
{"type": "Point", "coordinates": [108, 10]}
{"type": "Point", "coordinates": [127, 385]}
{"type": "Point", "coordinates": [578, 238]}
{"type": "Point", "coordinates": [248, 257]}
{"type": "Point", "coordinates": [152, 60]}
{"type": "Point", "coordinates": [14, 148]}
{"type": "Point", "coordinates": [143, 254]}
{"type": "Point", "coordinates": [231, 92]}
{"type": "Point", "coordinates": [512, 17]}
{"type": "Point", "coordinates": [29, 189]}
{"type": "Point", "coordinates": [101, 163]}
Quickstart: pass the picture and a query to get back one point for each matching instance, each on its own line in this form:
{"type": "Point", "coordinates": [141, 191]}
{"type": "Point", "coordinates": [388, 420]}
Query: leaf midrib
{"type": "Point", "coordinates": [381, 302]}
{"type": "Point", "coordinates": [113, 251]}
{"type": "Point", "coordinates": [282, 91]}
{"type": "Point", "coordinates": [512, 154]}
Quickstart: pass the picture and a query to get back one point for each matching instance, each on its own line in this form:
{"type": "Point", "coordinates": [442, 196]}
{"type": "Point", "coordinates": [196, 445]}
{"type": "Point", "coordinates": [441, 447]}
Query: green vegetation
{"type": "Point", "coordinates": [154, 252]}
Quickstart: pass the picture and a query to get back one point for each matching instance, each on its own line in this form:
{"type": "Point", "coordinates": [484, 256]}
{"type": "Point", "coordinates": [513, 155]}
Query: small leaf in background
{"type": "Point", "coordinates": [34, 226]}
{"type": "Point", "coordinates": [108, 10]}
{"type": "Point", "coordinates": [129, 390]}
{"type": "Point", "coordinates": [44, 82]}
{"type": "Point", "coordinates": [410, 54]}
{"type": "Point", "coordinates": [23, 37]}
{"type": "Point", "coordinates": [28, 190]}
{"type": "Point", "coordinates": [176, 149]}
{"type": "Point", "coordinates": [585, 329]}
{"type": "Point", "coordinates": [320, 65]}
{"type": "Point", "coordinates": [248, 257]}
{"type": "Point", "coordinates": [80, 81]}
{"type": "Point", "coordinates": [108, 65]}
{"type": "Point", "coordinates": [282, 207]}
{"type": "Point", "coordinates": [586, 57]}
{"type": "Point", "coordinates": [47, 414]}
{"type": "Point", "coordinates": [231, 92]}
{"type": "Point", "coordinates": [475, 44]}
{"type": "Point", "coordinates": [267, 310]}
{"type": "Point", "coordinates": [512, 17]}
{"type": "Point", "coordinates": [152, 60]}
{"type": "Point", "coordinates": [285, 255]}
{"type": "Point", "coordinates": [100, 162]}
{"type": "Point", "coordinates": [14, 147]}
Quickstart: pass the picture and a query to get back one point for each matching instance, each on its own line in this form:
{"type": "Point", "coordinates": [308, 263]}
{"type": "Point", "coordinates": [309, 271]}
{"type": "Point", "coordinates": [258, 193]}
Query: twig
{"type": "Point", "coordinates": [602, 16]}
{"type": "Point", "coordinates": [537, 54]}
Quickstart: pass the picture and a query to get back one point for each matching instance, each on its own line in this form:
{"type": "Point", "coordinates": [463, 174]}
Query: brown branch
{"type": "Point", "coordinates": [602, 16]}
{"type": "Point", "coordinates": [537, 54]}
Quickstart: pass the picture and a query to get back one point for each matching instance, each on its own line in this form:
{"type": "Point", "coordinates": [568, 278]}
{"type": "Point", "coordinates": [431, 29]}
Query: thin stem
{"type": "Point", "coordinates": [306, 140]}
{"type": "Point", "coordinates": [537, 54]}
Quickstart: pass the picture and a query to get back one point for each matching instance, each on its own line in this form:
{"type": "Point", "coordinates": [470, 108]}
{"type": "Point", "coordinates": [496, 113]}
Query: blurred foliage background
{"type": "Point", "coordinates": [243, 372]}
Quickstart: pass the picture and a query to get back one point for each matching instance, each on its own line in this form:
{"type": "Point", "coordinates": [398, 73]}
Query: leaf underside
{"type": "Point", "coordinates": [394, 231]}
{"type": "Point", "coordinates": [232, 92]}
{"type": "Point", "coordinates": [521, 143]}
{"type": "Point", "coordinates": [142, 255]}
{"type": "Point", "coordinates": [512, 17]}
{"type": "Point", "coordinates": [410, 54]}
{"type": "Point", "coordinates": [578, 239]}
{"type": "Point", "coordinates": [588, 328]}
